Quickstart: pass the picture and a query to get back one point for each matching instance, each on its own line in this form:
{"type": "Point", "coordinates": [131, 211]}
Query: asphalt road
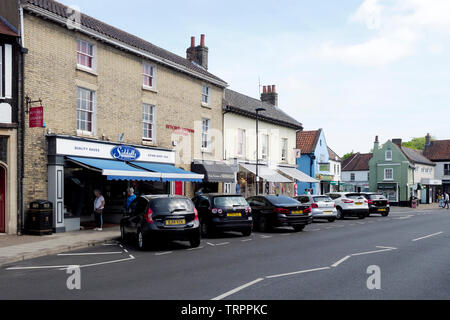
{"type": "Point", "coordinates": [328, 261]}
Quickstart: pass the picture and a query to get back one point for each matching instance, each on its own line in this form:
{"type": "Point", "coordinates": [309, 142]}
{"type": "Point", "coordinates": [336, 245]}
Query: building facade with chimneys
{"type": "Point", "coordinates": [438, 151]}
{"type": "Point", "coordinates": [277, 142]}
{"type": "Point", "coordinates": [401, 173]}
{"type": "Point", "coordinates": [105, 109]}
{"type": "Point", "coordinates": [356, 173]}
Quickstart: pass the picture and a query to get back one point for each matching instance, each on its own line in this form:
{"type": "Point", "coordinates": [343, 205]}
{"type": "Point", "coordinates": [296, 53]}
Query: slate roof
{"type": "Point", "coordinates": [7, 29]}
{"type": "Point", "coordinates": [333, 155]}
{"type": "Point", "coordinates": [121, 36]}
{"type": "Point", "coordinates": [357, 162]}
{"type": "Point", "coordinates": [307, 140]}
{"type": "Point", "coordinates": [439, 150]}
{"type": "Point", "coordinates": [244, 105]}
{"type": "Point", "coordinates": [416, 156]}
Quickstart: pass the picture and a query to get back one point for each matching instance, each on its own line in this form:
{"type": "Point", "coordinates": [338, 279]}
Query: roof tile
{"type": "Point", "coordinates": [439, 150]}
{"type": "Point", "coordinates": [357, 162]}
{"type": "Point", "coordinates": [307, 140]}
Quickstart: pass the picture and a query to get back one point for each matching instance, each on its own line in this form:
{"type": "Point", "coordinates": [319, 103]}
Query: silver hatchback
{"type": "Point", "coordinates": [322, 207]}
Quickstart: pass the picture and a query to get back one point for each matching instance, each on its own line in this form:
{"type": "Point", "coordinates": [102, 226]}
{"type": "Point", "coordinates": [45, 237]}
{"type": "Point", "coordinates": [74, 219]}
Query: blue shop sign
{"type": "Point", "coordinates": [125, 153]}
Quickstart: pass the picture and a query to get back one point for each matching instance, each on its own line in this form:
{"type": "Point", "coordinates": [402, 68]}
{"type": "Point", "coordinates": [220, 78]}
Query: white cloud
{"type": "Point", "coordinates": [398, 29]}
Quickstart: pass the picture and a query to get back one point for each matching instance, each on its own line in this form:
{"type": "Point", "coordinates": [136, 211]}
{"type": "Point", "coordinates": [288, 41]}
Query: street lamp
{"type": "Point", "coordinates": [258, 110]}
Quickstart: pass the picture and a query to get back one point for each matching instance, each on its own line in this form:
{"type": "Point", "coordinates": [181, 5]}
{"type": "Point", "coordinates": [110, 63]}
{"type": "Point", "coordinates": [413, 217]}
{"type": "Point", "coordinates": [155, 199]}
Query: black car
{"type": "Point", "coordinates": [378, 203]}
{"type": "Point", "coordinates": [164, 217]}
{"type": "Point", "coordinates": [279, 211]}
{"type": "Point", "coordinates": [223, 212]}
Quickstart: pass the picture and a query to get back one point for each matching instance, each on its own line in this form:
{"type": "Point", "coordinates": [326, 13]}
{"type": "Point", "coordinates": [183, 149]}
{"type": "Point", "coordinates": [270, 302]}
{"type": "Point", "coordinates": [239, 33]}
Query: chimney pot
{"type": "Point", "coordinates": [274, 89]}
{"type": "Point", "coordinates": [202, 42]}
{"type": "Point", "coordinates": [264, 89]}
{"type": "Point", "coordinates": [376, 139]}
{"type": "Point", "coordinates": [269, 89]}
{"type": "Point", "coordinates": [192, 42]}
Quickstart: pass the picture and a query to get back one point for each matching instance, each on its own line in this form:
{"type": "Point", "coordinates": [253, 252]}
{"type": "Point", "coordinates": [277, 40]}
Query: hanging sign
{"type": "Point", "coordinates": [36, 117]}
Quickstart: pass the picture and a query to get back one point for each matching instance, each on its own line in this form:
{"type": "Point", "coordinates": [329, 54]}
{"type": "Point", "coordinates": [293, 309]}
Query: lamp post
{"type": "Point", "coordinates": [257, 148]}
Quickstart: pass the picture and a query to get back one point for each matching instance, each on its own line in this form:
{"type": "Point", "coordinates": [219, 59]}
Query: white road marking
{"type": "Point", "coordinates": [266, 237]}
{"type": "Point", "coordinates": [246, 240]}
{"type": "Point", "coordinates": [316, 229]}
{"type": "Point", "coordinates": [426, 237]}
{"type": "Point", "coordinates": [36, 268]}
{"type": "Point", "coordinates": [163, 253]}
{"type": "Point", "coordinates": [403, 218]}
{"type": "Point", "coordinates": [391, 248]}
{"type": "Point", "coordinates": [371, 252]}
{"type": "Point", "coordinates": [104, 263]}
{"type": "Point", "coordinates": [211, 244]}
{"type": "Point", "coordinates": [222, 244]}
{"type": "Point", "coordinates": [193, 249]}
{"type": "Point", "coordinates": [88, 254]}
{"type": "Point", "coordinates": [297, 272]}
{"type": "Point", "coordinates": [229, 293]}
{"type": "Point", "coordinates": [341, 261]}
{"type": "Point", "coordinates": [286, 234]}
{"type": "Point", "coordinates": [125, 250]}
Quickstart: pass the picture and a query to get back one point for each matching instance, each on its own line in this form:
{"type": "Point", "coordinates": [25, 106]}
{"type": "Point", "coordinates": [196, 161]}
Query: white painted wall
{"type": "Point", "coordinates": [419, 175]}
{"type": "Point", "coordinates": [234, 122]}
{"type": "Point", "coordinates": [360, 176]}
{"type": "Point", "coordinates": [439, 171]}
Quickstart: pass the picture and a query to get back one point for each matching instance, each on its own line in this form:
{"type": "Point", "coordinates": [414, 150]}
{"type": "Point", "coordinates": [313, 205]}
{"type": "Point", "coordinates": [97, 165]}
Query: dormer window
{"type": "Point", "coordinates": [388, 155]}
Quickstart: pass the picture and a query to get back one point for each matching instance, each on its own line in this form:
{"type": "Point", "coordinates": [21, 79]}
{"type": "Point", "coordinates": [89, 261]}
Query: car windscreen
{"type": "Point", "coordinates": [322, 199]}
{"type": "Point", "coordinates": [234, 201]}
{"type": "Point", "coordinates": [282, 201]}
{"type": "Point", "coordinates": [377, 197]}
{"type": "Point", "coordinates": [171, 205]}
{"type": "Point", "coordinates": [354, 196]}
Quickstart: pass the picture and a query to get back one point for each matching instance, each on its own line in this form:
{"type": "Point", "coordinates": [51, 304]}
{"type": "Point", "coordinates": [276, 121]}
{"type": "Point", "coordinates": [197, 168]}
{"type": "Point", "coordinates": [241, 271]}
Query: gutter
{"type": "Point", "coordinates": [94, 34]}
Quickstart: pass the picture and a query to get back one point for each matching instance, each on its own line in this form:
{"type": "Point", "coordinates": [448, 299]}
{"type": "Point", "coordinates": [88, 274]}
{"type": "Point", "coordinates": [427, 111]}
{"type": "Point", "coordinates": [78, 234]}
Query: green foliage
{"type": "Point", "coordinates": [415, 143]}
{"type": "Point", "coordinates": [348, 155]}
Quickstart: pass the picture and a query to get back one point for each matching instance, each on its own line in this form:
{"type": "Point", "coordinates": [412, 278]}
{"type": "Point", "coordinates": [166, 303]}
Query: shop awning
{"type": "Point", "coordinates": [169, 172]}
{"type": "Point", "coordinates": [266, 173]}
{"type": "Point", "coordinates": [297, 175]}
{"type": "Point", "coordinates": [214, 171]}
{"type": "Point", "coordinates": [116, 170]}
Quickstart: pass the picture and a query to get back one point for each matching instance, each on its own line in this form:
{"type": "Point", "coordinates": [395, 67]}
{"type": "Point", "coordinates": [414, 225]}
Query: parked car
{"type": "Point", "coordinates": [272, 211]}
{"type": "Point", "coordinates": [322, 207]}
{"type": "Point", "coordinates": [224, 212]}
{"type": "Point", "coordinates": [161, 217]}
{"type": "Point", "coordinates": [378, 203]}
{"type": "Point", "coordinates": [350, 205]}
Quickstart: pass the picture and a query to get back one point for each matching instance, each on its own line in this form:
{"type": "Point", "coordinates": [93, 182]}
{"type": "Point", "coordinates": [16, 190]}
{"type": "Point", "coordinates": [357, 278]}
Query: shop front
{"type": "Point", "coordinates": [270, 181]}
{"type": "Point", "coordinates": [8, 181]}
{"type": "Point", "coordinates": [296, 176]}
{"type": "Point", "coordinates": [218, 176]}
{"type": "Point", "coordinates": [325, 183]}
{"type": "Point", "coordinates": [390, 191]}
{"type": "Point", "coordinates": [77, 167]}
{"type": "Point", "coordinates": [429, 189]}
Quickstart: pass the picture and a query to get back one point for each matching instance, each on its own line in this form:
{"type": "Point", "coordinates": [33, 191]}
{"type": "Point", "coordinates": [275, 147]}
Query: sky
{"type": "Point", "coordinates": [356, 68]}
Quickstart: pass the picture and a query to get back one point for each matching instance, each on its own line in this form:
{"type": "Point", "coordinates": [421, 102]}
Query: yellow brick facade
{"type": "Point", "coordinates": [51, 74]}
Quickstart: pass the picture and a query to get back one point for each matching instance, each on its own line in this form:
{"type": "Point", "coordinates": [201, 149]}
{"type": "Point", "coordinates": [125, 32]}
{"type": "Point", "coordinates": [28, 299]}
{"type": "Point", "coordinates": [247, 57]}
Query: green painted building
{"type": "Point", "coordinates": [394, 171]}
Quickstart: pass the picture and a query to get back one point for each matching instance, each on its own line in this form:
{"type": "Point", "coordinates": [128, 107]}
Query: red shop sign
{"type": "Point", "coordinates": [36, 117]}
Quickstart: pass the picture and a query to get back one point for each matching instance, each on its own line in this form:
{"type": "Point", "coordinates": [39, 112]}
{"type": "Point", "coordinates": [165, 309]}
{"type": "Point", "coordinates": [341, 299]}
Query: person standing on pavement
{"type": "Point", "coordinates": [446, 201]}
{"type": "Point", "coordinates": [131, 197]}
{"type": "Point", "coordinates": [99, 206]}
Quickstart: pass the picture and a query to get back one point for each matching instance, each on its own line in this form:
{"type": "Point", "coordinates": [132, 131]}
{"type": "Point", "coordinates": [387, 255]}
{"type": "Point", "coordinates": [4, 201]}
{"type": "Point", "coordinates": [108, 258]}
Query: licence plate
{"type": "Point", "coordinates": [297, 212]}
{"type": "Point", "coordinates": [382, 210]}
{"type": "Point", "coordinates": [175, 222]}
{"type": "Point", "coordinates": [359, 203]}
{"type": "Point", "coordinates": [328, 212]}
{"type": "Point", "coordinates": [234, 215]}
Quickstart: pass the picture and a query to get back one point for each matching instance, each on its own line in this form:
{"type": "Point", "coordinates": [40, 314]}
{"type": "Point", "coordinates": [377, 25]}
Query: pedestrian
{"type": "Point", "coordinates": [446, 201]}
{"type": "Point", "coordinates": [99, 206]}
{"type": "Point", "coordinates": [309, 193]}
{"type": "Point", "coordinates": [306, 191]}
{"type": "Point", "coordinates": [131, 197]}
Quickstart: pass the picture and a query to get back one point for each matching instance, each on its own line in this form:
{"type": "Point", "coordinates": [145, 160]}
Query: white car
{"type": "Point", "coordinates": [322, 207]}
{"type": "Point", "coordinates": [350, 205]}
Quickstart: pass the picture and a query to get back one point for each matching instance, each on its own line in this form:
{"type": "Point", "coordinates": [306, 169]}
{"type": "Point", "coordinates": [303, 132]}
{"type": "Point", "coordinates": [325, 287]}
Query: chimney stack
{"type": "Point", "coordinates": [198, 54]}
{"type": "Point", "coordinates": [427, 140]}
{"type": "Point", "coordinates": [397, 142]}
{"type": "Point", "coordinates": [270, 95]}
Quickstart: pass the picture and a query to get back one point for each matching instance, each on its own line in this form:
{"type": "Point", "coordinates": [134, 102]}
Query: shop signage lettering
{"type": "Point", "coordinates": [125, 153]}
{"type": "Point", "coordinates": [36, 117]}
{"type": "Point", "coordinates": [179, 130]}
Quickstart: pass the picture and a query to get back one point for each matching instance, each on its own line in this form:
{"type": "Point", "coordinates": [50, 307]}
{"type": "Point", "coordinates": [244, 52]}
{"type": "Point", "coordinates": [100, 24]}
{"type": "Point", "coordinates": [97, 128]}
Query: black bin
{"type": "Point", "coordinates": [39, 219]}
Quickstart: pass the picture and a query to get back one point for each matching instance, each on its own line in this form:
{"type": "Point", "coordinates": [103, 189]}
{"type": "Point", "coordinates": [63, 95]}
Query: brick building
{"type": "Point", "coordinates": [108, 95]}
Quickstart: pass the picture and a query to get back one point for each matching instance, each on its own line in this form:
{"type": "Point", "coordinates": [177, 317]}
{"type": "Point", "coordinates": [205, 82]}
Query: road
{"type": "Point", "coordinates": [328, 261]}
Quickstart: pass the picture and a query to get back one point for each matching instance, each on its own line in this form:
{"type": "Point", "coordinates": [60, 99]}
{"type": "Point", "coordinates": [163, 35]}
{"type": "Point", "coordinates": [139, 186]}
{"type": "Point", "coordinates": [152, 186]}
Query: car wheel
{"type": "Point", "coordinates": [205, 229]}
{"type": "Point", "coordinates": [340, 215]}
{"type": "Point", "coordinates": [247, 232]}
{"type": "Point", "coordinates": [299, 228]}
{"type": "Point", "coordinates": [263, 225]}
{"type": "Point", "coordinates": [195, 242]}
{"type": "Point", "coordinates": [385, 214]}
{"type": "Point", "coordinates": [361, 216]}
{"type": "Point", "coordinates": [141, 241]}
{"type": "Point", "coordinates": [332, 220]}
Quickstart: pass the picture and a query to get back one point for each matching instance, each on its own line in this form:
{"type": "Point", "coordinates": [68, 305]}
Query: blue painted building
{"type": "Point", "coordinates": [314, 161]}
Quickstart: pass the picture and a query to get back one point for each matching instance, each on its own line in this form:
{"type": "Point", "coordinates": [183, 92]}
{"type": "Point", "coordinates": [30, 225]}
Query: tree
{"type": "Point", "coordinates": [348, 155]}
{"type": "Point", "coordinates": [415, 143]}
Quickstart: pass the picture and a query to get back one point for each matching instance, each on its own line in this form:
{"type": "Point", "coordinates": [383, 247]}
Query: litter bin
{"type": "Point", "coordinates": [414, 203]}
{"type": "Point", "coordinates": [39, 219]}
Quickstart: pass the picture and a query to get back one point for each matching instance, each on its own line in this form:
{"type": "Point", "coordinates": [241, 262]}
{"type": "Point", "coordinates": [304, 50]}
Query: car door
{"type": "Point", "coordinates": [203, 206]}
{"type": "Point", "coordinates": [139, 214]}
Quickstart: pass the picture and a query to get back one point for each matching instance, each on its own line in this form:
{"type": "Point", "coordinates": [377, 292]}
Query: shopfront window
{"type": "Point", "coordinates": [3, 149]}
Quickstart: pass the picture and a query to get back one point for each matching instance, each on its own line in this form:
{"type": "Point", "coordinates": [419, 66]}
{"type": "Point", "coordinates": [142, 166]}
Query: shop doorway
{"type": "Point", "coordinates": [2, 200]}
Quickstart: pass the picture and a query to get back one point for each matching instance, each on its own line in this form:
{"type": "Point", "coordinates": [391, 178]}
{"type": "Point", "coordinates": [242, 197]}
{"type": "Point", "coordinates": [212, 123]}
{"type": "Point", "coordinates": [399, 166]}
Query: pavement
{"type": "Point", "coordinates": [328, 261]}
{"type": "Point", "coordinates": [19, 248]}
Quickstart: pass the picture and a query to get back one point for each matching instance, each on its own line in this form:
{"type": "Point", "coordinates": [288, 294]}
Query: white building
{"type": "Point", "coordinates": [356, 173]}
{"type": "Point", "coordinates": [335, 170]}
{"type": "Point", "coordinates": [438, 152]}
{"type": "Point", "coordinates": [277, 143]}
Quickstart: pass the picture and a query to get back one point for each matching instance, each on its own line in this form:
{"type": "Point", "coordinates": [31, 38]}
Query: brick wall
{"type": "Point", "coordinates": [51, 74]}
